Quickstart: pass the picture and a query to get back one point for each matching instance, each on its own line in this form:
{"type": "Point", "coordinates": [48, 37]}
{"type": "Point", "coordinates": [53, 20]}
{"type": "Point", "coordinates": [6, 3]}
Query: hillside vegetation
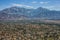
{"type": "Point", "coordinates": [29, 31]}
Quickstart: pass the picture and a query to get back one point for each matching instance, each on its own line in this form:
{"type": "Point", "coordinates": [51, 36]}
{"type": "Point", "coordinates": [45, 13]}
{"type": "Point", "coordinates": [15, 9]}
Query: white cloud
{"type": "Point", "coordinates": [34, 2]}
{"type": "Point", "coordinates": [21, 5]}
{"type": "Point", "coordinates": [43, 2]}
{"type": "Point", "coordinates": [52, 7]}
{"type": "Point", "coordinates": [17, 5]}
{"type": "Point", "coordinates": [49, 6]}
{"type": "Point", "coordinates": [28, 6]}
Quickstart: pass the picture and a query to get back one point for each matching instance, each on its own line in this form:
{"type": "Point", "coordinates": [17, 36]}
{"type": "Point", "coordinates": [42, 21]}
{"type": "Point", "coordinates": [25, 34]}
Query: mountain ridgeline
{"type": "Point", "coordinates": [18, 13]}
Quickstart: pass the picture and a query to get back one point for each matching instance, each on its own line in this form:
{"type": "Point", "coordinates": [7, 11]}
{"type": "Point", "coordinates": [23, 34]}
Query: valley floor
{"type": "Point", "coordinates": [29, 31]}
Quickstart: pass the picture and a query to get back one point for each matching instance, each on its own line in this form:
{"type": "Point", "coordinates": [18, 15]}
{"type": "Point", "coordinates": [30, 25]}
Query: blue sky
{"type": "Point", "coordinates": [49, 4]}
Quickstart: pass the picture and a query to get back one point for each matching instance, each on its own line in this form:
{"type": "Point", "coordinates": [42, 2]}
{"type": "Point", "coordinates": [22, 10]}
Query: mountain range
{"type": "Point", "coordinates": [18, 13]}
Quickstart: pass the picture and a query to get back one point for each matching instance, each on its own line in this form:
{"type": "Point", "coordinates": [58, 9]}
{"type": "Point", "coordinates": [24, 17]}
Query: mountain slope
{"type": "Point", "coordinates": [19, 12]}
